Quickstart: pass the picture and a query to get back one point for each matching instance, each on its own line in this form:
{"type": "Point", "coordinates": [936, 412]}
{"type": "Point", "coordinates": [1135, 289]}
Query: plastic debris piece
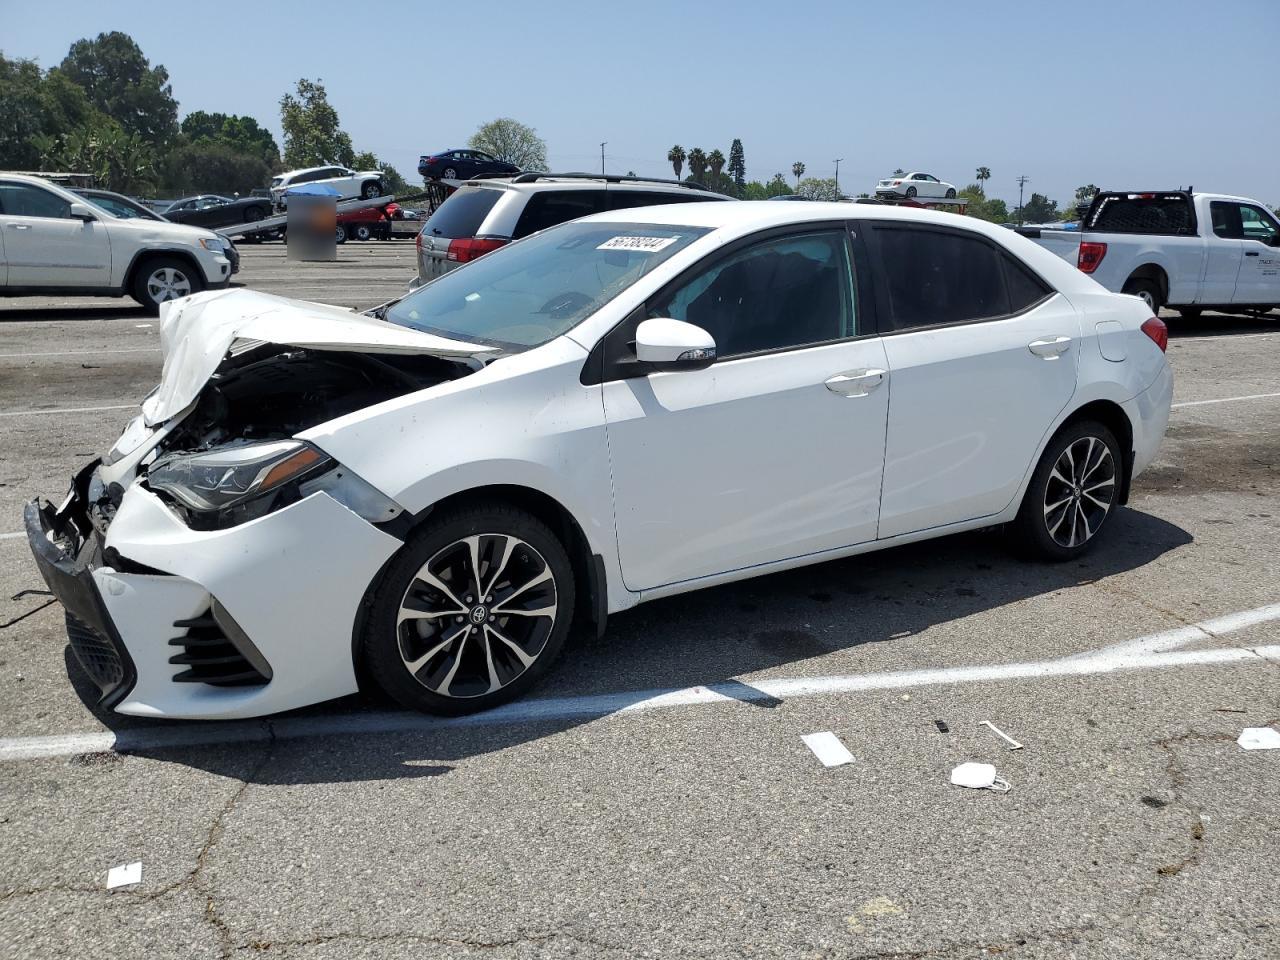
{"type": "Point", "coordinates": [1259, 738]}
{"type": "Point", "coordinates": [827, 748]}
{"type": "Point", "coordinates": [979, 776]}
{"type": "Point", "coordinates": [1013, 744]}
{"type": "Point", "coordinates": [942, 726]}
{"type": "Point", "coordinates": [124, 875]}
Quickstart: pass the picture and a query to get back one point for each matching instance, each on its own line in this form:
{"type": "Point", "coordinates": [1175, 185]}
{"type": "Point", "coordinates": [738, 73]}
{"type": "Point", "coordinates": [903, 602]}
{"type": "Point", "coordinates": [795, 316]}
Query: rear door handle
{"type": "Point", "coordinates": [1251, 253]}
{"type": "Point", "coordinates": [19, 226]}
{"type": "Point", "coordinates": [1050, 348]}
{"type": "Point", "coordinates": [856, 383]}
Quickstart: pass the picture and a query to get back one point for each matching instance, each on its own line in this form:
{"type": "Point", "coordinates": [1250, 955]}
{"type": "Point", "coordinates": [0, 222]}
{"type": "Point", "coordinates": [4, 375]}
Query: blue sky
{"type": "Point", "coordinates": [1120, 93]}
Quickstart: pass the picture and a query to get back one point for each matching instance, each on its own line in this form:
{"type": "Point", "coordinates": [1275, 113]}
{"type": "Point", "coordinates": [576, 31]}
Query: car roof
{"type": "Point", "coordinates": [551, 181]}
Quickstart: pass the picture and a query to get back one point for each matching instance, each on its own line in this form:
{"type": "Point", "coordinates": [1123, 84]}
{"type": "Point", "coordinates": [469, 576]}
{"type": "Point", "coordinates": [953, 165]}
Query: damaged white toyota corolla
{"type": "Point", "coordinates": [615, 409]}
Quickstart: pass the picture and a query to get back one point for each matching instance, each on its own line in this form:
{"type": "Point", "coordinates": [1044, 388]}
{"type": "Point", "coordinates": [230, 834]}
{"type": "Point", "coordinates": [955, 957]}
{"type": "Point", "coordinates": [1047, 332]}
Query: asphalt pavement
{"type": "Point", "coordinates": [654, 798]}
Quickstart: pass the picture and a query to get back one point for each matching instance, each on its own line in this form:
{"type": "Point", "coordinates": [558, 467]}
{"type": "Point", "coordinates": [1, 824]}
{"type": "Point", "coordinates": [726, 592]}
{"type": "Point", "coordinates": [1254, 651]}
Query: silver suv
{"type": "Point", "coordinates": [487, 213]}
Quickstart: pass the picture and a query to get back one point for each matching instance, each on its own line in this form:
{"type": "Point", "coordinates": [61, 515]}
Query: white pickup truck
{"type": "Point", "coordinates": [1189, 251]}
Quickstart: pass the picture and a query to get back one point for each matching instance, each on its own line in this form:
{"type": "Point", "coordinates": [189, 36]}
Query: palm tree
{"type": "Point", "coordinates": [698, 165]}
{"type": "Point", "coordinates": [715, 160]}
{"type": "Point", "coordinates": [675, 157]}
{"type": "Point", "coordinates": [983, 175]}
{"type": "Point", "coordinates": [797, 170]}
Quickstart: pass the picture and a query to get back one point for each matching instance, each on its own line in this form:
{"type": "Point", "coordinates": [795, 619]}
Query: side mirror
{"type": "Point", "coordinates": [80, 211]}
{"type": "Point", "coordinates": [666, 344]}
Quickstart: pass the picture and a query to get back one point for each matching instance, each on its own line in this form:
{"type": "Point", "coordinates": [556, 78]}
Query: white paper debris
{"type": "Point", "coordinates": [1013, 744]}
{"type": "Point", "coordinates": [1259, 738]}
{"type": "Point", "coordinates": [979, 776]}
{"type": "Point", "coordinates": [124, 875]}
{"type": "Point", "coordinates": [826, 746]}
{"type": "Point", "coordinates": [638, 244]}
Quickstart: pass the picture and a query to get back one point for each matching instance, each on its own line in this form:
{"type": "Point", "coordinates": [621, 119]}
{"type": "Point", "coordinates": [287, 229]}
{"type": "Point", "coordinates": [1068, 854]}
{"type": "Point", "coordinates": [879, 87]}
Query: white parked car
{"type": "Point", "coordinates": [53, 241]}
{"type": "Point", "coordinates": [350, 184]}
{"type": "Point", "coordinates": [618, 408]}
{"type": "Point", "coordinates": [914, 185]}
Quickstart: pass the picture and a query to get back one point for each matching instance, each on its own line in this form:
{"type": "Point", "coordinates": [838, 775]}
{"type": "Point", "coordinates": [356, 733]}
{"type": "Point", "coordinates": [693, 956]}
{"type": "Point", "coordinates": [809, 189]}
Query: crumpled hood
{"type": "Point", "coordinates": [198, 332]}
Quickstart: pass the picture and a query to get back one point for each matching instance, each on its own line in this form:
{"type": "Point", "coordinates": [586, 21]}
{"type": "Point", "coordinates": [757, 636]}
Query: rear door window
{"type": "Point", "coordinates": [625, 199]}
{"type": "Point", "coordinates": [463, 213]}
{"type": "Point", "coordinates": [935, 277]}
{"type": "Point", "coordinates": [550, 207]}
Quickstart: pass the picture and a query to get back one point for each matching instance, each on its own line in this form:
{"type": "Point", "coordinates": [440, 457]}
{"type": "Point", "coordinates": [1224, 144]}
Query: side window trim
{"type": "Point", "coordinates": [608, 360]}
{"type": "Point", "coordinates": [884, 311]}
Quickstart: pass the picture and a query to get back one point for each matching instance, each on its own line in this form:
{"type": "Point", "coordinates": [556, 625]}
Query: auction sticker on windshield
{"type": "Point", "coordinates": [639, 244]}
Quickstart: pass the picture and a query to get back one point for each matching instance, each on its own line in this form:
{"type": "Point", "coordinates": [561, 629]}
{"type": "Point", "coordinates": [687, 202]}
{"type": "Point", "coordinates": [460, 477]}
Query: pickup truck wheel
{"type": "Point", "coordinates": [362, 231]}
{"type": "Point", "coordinates": [1072, 494]}
{"type": "Point", "coordinates": [1148, 291]}
{"type": "Point", "coordinates": [160, 279]}
{"type": "Point", "coordinates": [472, 612]}
{"type": "Point", "coordinates": [370, 190]}
{"type": "Point", "coordinates": [1190, 313]}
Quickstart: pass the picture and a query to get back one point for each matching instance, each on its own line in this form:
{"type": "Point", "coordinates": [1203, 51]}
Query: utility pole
{"type": "Point", "coordinates": [838, 174]}
{"type": "Point", "coordinates": [1022, 182]}
{"type": "Point", "coordinates": [602, 157]}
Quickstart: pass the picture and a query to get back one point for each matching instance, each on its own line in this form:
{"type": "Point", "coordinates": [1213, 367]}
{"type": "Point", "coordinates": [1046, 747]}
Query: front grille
{"type": "Point", "coordinates": [97, 655]}
{"type": "Point", "coordinates": [210, 656]}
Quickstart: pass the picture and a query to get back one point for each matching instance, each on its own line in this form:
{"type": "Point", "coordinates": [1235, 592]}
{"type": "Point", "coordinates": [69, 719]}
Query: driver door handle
{"type": "Point", "coordinates": [856, 383]}
{"type": "Point", "coordinates": [1050, 348]}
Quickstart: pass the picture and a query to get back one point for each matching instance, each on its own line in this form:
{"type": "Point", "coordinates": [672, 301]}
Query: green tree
{"type": "Point", "coordinates": [676, 157]}
{"type": "Point", "coordinates": [715, 160]}
{"type": "Point", "coordinates": [35, 103]}
{"type": "Point", "coordinates": [818, 188]}
{"type": "Point", "coordinates": [241, 133]}
{"type": "Point", "coordinates": [1079, 202]}
{"type": "Point", "coordinates": [312, 136]}
{"type": "Point", "coordinates": [121, 83]}
{"type": "Point", "coordinates": [982, 207]}
{"type": "Point", "coordinates": [395, 183]}
{"type": "Point", "coordinates": [213, 166]}
{"type": "Point", "coordinates": [738, 167]}
{"type": "Point", "coordinates": [778, 187]}
{"type": "Point", "coordinates": [103, 149]}
{"type": "Point", "coordinates": [797, 171]}
{"type": "Point", "coordinates": [754, 190]}
{"type": "Point", "coordinates": [983, 175]}
{"type": "Point", "coordinates": [513, 142]}
{"type": "Point", "coordinates": [1039, 209]}
{"type": "Point", "coordinates": [698, 165]}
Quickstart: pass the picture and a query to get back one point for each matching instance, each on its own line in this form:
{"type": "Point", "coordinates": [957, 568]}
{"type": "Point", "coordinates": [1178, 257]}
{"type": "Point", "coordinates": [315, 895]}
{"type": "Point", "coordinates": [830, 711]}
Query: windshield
{"type": "Point", "coordinates": [541, 287]}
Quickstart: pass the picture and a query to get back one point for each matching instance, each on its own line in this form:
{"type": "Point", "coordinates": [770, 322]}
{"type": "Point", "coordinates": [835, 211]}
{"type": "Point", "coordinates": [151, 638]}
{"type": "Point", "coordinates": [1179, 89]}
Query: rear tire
{"type": "Point", "coordinates": [444, 638]}
{"type": "Point", "coordinates": [1148, 290]}
{"type": "Point", "coordinates": [370, 190]}
{"type": "Point", "coordinates": [449, 174]}
{"type": "Point", "coordinates": [1190, 313]}
{"type": "Point", "coordinates": [1072, 494]}
{"type": "Point", "coordinates": [254, 214]}
{"type": "Point", "coordinates": [340, 234]}
{"type": "Point", "coordinates": [160, 279]}
{"type": "Point", "coordinates": [951, 193]}
{"type": "Point", "coordinates": [911, 193]}
{"type": "Point", "coordinates": [362, 232]}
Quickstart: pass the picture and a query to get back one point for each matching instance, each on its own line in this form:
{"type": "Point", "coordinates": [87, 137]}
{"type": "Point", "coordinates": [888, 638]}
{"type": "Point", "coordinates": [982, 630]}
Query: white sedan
{"type": "Point", "coordinates": [619, 408]}
{"type": "Point", "coordinates": [914, 185]}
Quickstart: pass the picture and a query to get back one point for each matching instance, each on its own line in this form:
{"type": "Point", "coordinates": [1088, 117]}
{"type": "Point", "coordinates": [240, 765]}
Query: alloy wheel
{"type": "Point", "coordinates": [477, 615]}
{"type": "Point", "coordinates": [1080, 492]}
{"type": "Point", "coordinates": [167, 283]}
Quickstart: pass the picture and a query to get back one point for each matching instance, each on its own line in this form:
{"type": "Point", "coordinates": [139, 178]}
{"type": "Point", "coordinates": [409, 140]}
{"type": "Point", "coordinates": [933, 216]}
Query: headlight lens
{"type": "Point", "coordinates": [216, 244]}
{"type": "Point", "coordinates": [218, 479]}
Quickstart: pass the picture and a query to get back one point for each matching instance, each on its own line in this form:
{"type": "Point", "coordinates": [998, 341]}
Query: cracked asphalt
{"type": "Point", "coordinates": [1135, 827]}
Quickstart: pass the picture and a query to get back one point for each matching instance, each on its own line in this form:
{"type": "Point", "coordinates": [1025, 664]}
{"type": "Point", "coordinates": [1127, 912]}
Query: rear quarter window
{"type": "Point", "coordinates": [551, 207]}
{"type": "Point", "coordinates": [463, 213]}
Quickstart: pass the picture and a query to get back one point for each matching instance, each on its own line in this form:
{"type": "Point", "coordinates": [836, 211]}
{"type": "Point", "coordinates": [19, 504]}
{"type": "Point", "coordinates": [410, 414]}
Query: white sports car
{"type": "Point", "coordinates": [914, 185]}
{"type": "Point", "coordinates": [622, 407]}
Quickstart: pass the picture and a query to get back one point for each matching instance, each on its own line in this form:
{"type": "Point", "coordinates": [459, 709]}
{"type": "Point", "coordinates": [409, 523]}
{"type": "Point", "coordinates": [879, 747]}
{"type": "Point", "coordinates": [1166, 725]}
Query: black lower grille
{"type": "Point", "coordinates": [97, 655]}
{"type": "Point", "coordinates": [210, 656]}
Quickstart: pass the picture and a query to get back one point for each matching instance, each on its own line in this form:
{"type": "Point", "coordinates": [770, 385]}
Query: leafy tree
{"type": "Point", "coordinates": [513, 142]}
{"type": "Point", "coordinates": [818, 188]}
{"type": "Point", "coordinates": [754, 190]}
{"type": "Point", "coordinates": [778, 187]}
{"type": "Point", "coordinates": [241, 133]}
{"type": "Point", "coordinates": [213, 166]}
{"type": "Point", "coordinates": [1079, 202]}
{"type": "Point", "coordinates": [312, 136]}
{"type": "Point", "coordinates": [797, 170]}
{"type": "Point", "coordinates": [675, 157]}
{"type": "Point", "coordinates": [1039, 209]}
{"type": "Point", "coordinates": [715, 160]}
{"type": "Point", "coordinates": [698, 165]}
{"type": "Point", "coordinates": [120, 82]}
{"type": "Point", "coordinates": [395, 183]}
{"type": "Point", "coordinates": [983, 175]}
{"type": "Point", "coordinates": [116, 159]}
{"type": "Point", "coordinates": [982, 207]}
{"type": "Point", "coordinates": [738, 167]}
{"type": "Point", "coordinates": [34, 103]}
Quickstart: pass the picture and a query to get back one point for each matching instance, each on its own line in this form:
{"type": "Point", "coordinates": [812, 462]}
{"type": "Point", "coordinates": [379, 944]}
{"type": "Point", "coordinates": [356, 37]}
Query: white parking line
{"type": "Point", "coordinates": [76, 353]}
{"type": "Point", "coordinates": [36, 413]}
{"type": "Point", "coordinates": [1144, 653]}
{"type": "Point", "coordinates": [1203, 403]}
{"type": "Point", "coordinates": [16, 535]}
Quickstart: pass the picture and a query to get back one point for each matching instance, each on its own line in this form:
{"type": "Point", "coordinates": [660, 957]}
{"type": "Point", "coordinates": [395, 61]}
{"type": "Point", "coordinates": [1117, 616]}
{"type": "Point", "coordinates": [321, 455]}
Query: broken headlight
{"type": "Point", "coordinates": [219, 479]}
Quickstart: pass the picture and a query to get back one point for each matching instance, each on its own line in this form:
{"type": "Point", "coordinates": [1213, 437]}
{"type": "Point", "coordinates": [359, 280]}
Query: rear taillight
{"type": "Point", "coordinates": [1157, 331]}
{"type": "Point", "coordinates": [1091, 255]}
{"type": "Point", "coordinates": [417, 241]}
{"type": "Point", "coordinates": [464, 251]}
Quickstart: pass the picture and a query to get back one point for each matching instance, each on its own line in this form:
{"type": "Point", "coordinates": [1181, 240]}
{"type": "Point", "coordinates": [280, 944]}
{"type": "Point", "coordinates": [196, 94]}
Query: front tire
{"type": "Point", "coordinates": [1190, 313]}
{"type": "Point", "coordinates": [160, 279]}
{"type": "Point", "coordinates": [1073, 493]}
{"type": "Point", "coordinates": [473, 611]}
{"type": "Point", "coordinates": [340, 234]}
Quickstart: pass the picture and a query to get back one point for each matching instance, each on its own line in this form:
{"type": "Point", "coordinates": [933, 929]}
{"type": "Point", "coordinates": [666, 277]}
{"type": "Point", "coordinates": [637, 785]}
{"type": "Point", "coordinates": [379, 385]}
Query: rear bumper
{"type": "Point", "coordinates": [1149, 414]}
